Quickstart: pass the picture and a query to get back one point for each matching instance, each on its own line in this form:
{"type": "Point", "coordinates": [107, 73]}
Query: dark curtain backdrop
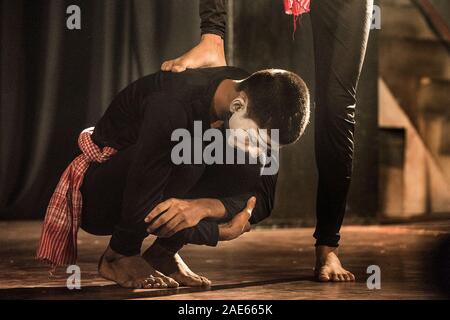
{"type": "Point", "coordinates": [55, 82]}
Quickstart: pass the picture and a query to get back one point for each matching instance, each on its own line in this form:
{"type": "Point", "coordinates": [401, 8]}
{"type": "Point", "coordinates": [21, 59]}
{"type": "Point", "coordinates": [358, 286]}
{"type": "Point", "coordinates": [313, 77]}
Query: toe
{"type": "Point", "coordinates": [171, 283]}
{"type": "Point", "coordinates": [351, 276]}
{"type": "Point", "coordinates": [194, 282]}
{"type": "Point", "coordinates": [160, 281]}
{"type": "Point", "coordinates": [189, 281]}
{"type": "Point", "coordinates": [147, 283]}
{"type": "Point", "coordinates": [206, 282]}
{"type": "Point", "coordinates": [346, 277]}
{"type": "Point", "coordinates": [178, 68]}
{"type": "Point", "coordinates": [168, 65]}
{"type": "Point", "coordinates": [341, 277]}
{"type": "Point", "coordinates": [164, 285]}
{"type": "Point", "coordinates": [323, 277]}
{"type": "Point", "coordinates": [335, 277]}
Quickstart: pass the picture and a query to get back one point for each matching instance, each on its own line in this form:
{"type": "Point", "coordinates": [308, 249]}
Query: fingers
{"type": "Point", "coordinates": [177, 228]}
{"type": "Point", "coordinates": [169, 228]}
{"type": "Point", "coordinates": [237, 226]}
{"type": "Point", "coordinates": [160, 208]}
{"type": "Point", "coordinates": [162, 220]}
{"type": "Point", "coordinates": [250, 206]}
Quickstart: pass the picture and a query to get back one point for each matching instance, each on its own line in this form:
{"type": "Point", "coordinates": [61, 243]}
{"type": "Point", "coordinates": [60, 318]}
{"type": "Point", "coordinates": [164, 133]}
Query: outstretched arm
{"type": "Point", "coordinates": [210, 51]}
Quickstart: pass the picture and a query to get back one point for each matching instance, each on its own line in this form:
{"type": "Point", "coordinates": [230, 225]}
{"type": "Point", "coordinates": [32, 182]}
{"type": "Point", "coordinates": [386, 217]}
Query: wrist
{"type": "Point", "coordinates": [212, 208]}
{"type": "Point", "coordinates": [203, 210]}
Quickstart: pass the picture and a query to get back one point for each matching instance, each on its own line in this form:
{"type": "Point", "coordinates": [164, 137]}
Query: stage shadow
{"type": "Point", "coordinates": [109, 292]}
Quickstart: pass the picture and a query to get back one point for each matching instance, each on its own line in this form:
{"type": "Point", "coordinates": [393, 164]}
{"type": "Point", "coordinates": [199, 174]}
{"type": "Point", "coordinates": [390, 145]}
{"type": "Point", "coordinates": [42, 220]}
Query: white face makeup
{"type": "Point", "coordinates": [245, 133]}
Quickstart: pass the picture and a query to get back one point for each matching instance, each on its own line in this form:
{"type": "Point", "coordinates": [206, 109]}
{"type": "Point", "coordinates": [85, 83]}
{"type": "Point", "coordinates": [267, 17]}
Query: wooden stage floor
{"type": "Point", "coordinates": [263, 264]}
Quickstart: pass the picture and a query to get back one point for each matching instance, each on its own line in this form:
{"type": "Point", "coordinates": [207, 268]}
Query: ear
{"type": "Point", "coordinates": [239, 103]}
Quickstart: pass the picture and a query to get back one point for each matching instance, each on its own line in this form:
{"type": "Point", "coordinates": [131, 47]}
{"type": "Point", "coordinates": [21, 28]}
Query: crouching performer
{"type": "Point", "coordinates": [149, 168]}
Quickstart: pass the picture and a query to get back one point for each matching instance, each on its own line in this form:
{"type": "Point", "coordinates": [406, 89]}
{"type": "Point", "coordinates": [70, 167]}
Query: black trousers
{"type": "Point", "coordinates": [104, 184]}
{"type": "Point", "coordinates": [340, 30]}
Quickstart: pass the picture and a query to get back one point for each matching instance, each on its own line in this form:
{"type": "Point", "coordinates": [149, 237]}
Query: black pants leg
{"type": "Point", "coordinates": [340, 29]}
{"type": "Point", "coordinates": [102, 191]}
{"type": "Point", "coordinates": [103, 188]}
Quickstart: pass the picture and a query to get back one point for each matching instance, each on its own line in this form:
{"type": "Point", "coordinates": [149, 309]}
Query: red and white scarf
{"type": "Point", "coordinates": [58, 244]}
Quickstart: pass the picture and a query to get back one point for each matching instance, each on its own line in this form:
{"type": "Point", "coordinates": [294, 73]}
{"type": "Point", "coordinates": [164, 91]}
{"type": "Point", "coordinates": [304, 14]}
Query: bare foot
{"type": "Point", "coordinates": [329, 268]}
{"type": "Point", "coordinates": [131, 272]}
{"type": "Point", "coordinates": [208, 53]}
{"type": "Point", "coordinates": [172, 265]}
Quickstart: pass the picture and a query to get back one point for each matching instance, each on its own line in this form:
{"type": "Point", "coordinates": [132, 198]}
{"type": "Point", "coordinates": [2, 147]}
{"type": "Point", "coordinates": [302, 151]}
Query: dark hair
{"type": "Point", "coordinates": [278, 99]}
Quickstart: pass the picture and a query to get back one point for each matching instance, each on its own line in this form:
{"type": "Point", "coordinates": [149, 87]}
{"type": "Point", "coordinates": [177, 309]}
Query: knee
{"type": "Point", "coordinates": [339, 173]}
{"type": "Point", "coordinates": [336, 102]}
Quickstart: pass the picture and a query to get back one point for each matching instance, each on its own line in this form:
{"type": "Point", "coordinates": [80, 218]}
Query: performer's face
{"type": "Point", "coordinates": [246, 134]}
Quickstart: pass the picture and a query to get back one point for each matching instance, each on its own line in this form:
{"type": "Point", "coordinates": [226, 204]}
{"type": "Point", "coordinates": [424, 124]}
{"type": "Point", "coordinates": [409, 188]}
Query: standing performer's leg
{"type": "Point", "coordinates": [340, 29]}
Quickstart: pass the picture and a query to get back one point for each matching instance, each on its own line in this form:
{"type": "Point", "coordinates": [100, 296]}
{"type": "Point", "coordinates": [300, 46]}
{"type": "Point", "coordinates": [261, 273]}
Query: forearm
{"type": "Point", "coordinates": [204, 233]}
{"type": "Point", "coordinates": [265, 200]}
{"type": "Point", "coordinates": [262, 210]}
{"type": "Point", "coordinates": [207, 231]}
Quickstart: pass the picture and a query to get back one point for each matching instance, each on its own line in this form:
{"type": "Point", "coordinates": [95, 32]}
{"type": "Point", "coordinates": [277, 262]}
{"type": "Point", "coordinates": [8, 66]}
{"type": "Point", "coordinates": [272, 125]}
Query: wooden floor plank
{"type": "Point", "coordinates": [263, 264]}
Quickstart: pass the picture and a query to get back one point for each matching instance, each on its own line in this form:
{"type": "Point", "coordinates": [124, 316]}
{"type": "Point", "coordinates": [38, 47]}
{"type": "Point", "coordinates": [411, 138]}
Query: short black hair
{"type": "Point", "coordinates": [278, 99]}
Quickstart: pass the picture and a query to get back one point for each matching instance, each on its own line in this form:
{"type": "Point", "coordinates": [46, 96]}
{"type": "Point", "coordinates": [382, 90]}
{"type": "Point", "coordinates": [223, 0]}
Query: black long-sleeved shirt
{"type": "Point", "coordinates": [146, 113]}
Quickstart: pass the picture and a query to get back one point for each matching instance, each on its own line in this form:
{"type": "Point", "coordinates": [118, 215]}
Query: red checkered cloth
{"type": "Point", "coordinates": [58, 244]}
